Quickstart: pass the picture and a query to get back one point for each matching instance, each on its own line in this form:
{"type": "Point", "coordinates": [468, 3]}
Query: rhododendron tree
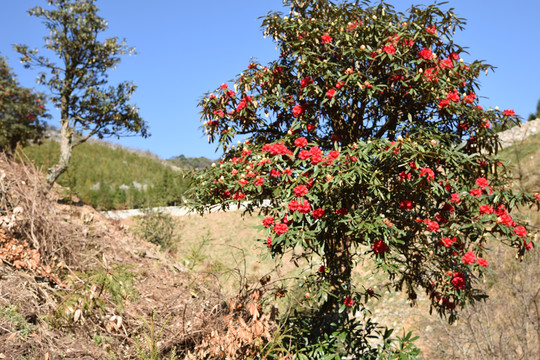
{"type": "Point", "coordinates": [371, 143]}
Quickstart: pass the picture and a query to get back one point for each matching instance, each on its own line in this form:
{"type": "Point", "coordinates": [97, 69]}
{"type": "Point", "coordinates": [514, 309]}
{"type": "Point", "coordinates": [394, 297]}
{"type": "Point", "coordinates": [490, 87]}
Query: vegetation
{"type": "Point", "coordinates": [21, 111]}
{"type": "Point", "coordinates": [536, 115]}
{"type": "Point", "coordinates": [78, 83]}
{"type": "Point", "coordinates": [368, 139]}
{"type": "Point", "coordinates": [110, 177]}
{"type": "Point", "coordinates": [190, 163]}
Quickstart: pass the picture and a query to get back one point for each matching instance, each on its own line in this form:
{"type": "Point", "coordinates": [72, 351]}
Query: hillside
{"type": "Point", "coordinates": [113, 177]}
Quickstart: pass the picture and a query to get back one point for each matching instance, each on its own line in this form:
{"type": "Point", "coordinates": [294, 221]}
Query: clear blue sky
{"type": "Point", "coordinates": [186, 48]}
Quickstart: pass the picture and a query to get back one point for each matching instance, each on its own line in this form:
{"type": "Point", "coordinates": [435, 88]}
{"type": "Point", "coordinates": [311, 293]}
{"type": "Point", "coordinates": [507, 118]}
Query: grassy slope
{"type": "Point", "coordinates": [97, 170]}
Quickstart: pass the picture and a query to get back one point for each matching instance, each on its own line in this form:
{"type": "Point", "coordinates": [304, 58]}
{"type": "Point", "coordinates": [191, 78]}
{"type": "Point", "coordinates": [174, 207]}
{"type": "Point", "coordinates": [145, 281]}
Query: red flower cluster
{"type": "Point", "coordinates": [482, 262]}
{"type": "Point", "coordinates": [348, 301]}
{"type": "Point", "coordinates": [427, 171]}
{"type": "Point", "coordinates": [300, 190]}
{"type": "Point", "coordinates": [458, 280]}
{"type": "Point", "coordinates": [379, 247]}
{"type": "Point", "coordinates": [268, 221]}
{"type": "Point", "coordinates": [425, 54]}
{"type": "Point", "coordinates": [486, 210]}
{"type": "Point", "coordinates": [509, 112]}
{"type": "Point", "coordinates": [330, 93]}
{"type": "Point", "coordinates": [406, 205]}
{"type": "Point", "coordinates": [318, 213]}
{"type": "Point", "coordinates": [326, 39]}
{"type": "Point", "coordinates": [276, 149]}
{"type": "Point", "coordinates": [298, 110]}
{"type": "Point", "coordinates": [447, 242]}
{"type": "Point", "coordinates": [280, 228]}
{"type": "Point", "coordinates": [303, 208]}
{"type": "Point", "coordinates": [300, 142]}
{"type": "Point", "coordinates": [468, 258]}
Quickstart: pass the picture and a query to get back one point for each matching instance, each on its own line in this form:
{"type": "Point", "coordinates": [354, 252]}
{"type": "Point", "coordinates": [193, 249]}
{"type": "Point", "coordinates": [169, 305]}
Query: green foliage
{"type": "Point", "coordinates": [365, 140]}
{"type": "Point", "coordinates": [158, 228]}
{"type": "Point", "coordinates": [16, 320]}
{"type": "Point", "coordinates": [536, 115]}
{"type": "Point", "coordinates": [190, 163]}
{"type": "Point", "coordinates": [100, 288]}
{"type": "Point", "coordinates": [21, 111]}
{"type": "Point", "coordinates": [78, 82]}
{"type": "Point", "coordinates": [147, 344]}
{"type": "Point", "coordinates": [110, 177]}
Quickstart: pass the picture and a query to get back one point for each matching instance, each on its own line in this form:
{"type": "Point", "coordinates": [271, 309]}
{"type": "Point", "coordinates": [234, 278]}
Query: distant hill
{"type": "Point", "coordinates": [109, 176]}
{"type": "Point", "coordinates": [190, 163]}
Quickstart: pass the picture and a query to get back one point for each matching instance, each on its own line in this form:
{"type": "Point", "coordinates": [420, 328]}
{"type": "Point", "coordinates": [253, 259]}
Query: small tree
{"type": "Point", "coordinates": [78, 83]}
{"type": "Point", "coordinates": [536, 115]}
{"type": "Point", "coordinates": [21, 111]}
{"type": "Point", "coordinates": [367, 140]}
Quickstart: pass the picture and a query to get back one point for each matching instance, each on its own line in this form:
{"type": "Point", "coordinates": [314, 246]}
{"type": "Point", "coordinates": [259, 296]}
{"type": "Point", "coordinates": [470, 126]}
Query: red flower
{"type": "Point", "coordinates": [330, 93]}
{"type": "Point", "coordinates": [453, 95]}
{"type": "Point", "coordinates": [520, 231]}
{"type": "Point", "coordinates": [447, 242]}
{"type": "Point", "coordinates": [305, 82]}
{"type": "Point", "coordinates": [425, 54]}
{"type": "Point", "coordinates": [224, 86]}
{"type": "Point", "coordinates": [300, 190]}
{"type": "Point", "coordinates": [333, 154]}
{"type": "Point", "coordinates": [482, 182]}
{"type": "Point", "coordinates": [476, 192]}
{"type": "Point", "coordinates": [304, 208]}
{"type": "Point", "coordinates": [238, 196]}
{"type": "Point", "coordinates": [528, 245]}
{"type": "Point", "coordinates": [259, 181]}
{"type": "Point", "coordinates": [318, 213]}
{"type": "Point", "coordinates": [342, 211]}
{"type": "Point", "coordinates": [444, 103]}
{"type": "Point", "coordinates": [280, 228]}
{"type": "Point", "coordinates": [348, 301]}
{"type": "Point", "coordinates": [294, 205]}
{"type": "Point", "coordinates": [322, 268]}
{"type": "Point", "coordinates": [427, 171]}
{"type": "Point", "coordinates": [455, 198]}
{"type": "Point", "coordinates": [389, 49]}
{"type": "Point", "coordinates": [379, 247]}
{"type": "Point", "coordinates": [447, 63]}
{"type": "Point", "coordinates": [326, 39]}
{"type": "Point", "coordinates": [269, 241]}
{"type": "Point", "coordinates": [509, 112]}
{"type": "Point", "coordinates": [300, 142]}
{"type": "Point", "coordinates": [486, 209]}
{"type": "Point", "coordinates": [431, 29]}
{"type": "Point", "coordinates": [297, 110]}
{"type": "Point", "coordinates": [406, 205]}
{"type": "Point", "coordinates": [482, 262]}
{"type": "Point", "coordinates": [458, 280]}
{"type": "Point", "coordinates": [268, 221]}
{"type": "Point", "coordinates": [340, 84]}
{"type": "Point", "coordinates": [505, 220]}
{"type": "Point", "coordinates": [468, 258]}
{"type": "Point", "coordinates": [432, 225]}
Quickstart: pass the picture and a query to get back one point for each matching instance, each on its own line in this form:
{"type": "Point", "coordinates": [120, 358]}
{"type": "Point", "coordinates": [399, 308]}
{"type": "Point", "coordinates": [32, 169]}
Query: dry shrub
{"type": "Point", "coordinates": [240, 328]}
{"type": "Point", "coordinates": [34, 235]}
{"type": "Point", "coordinates": [506, 326]}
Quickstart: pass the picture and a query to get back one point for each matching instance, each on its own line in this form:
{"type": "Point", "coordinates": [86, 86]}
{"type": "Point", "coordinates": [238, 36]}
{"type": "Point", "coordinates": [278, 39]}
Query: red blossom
{"type": "Point", "coordinates": [509, 112]}
{"type": "Point", "coordinates": [348, 301]}
{"type": "Point", "coordinates": [520, 231]}
{"type": "Point", "coordinates": [305, 82]}
{"type": "Point", "coordinates": [330, 93]}
{"type": "Point", "coordinates": [468, 258]}
{"type": "Point", "coordinates": [298, 110]}
{"type": "Point", "coordinates": [482, 262]}
{"type": "Point", "coordinates": [482, 182]}
{"type": "Point", "coordinates": [379, 247]}
{"type": "Point", "coordinates": [326, 39]}
{"type": "Point", "coordinates": [259, 181]}
{"type": "Point", "coordinates": [322, 269]}
{"type": "Point", "coordinates": [447, 242]}
{"type": "Point", "coordinates": [342, 211]}
{"type": "Point", "coordinates": [506, 220]}
{"type": "Point", "coordinates": [406, 205]}
{"type": "Point", "coordinates": [476, 192]}
{"type": "Point", "coordinates": [318, 213]}
{"type": "Point", "coordinates": [427, 171]}
{"type": "Point", "coordinates": [425, 54]}
{"type": "Point", "coordinates": [300, 190]}
{"type": "Point", "coordinates": [432, 225]}
{"type": "Point", "coordinates": [444, 103]}
{"type": "Point", "coordinates": [486, 210]}
{"type": "Point", "coordinates": [389, 49]}
{"type": "Point", "coordinates": [268, 221]}
{"type": "Point", "coordinates": [458, 281]}
{"type": "Point", "coordinates": [300, 142]}
{"type": "Point", "coordinates": [280, 228]}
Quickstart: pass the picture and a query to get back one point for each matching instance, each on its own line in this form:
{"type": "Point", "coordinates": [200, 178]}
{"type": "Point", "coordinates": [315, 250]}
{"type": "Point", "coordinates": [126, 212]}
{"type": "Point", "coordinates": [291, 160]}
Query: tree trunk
{"type": "Point", "coordinates": [66, 145]}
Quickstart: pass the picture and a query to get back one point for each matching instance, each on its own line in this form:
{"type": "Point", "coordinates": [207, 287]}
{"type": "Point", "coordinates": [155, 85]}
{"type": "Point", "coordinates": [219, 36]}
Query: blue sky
{"type": "Point", "coordinates": [186, 48]}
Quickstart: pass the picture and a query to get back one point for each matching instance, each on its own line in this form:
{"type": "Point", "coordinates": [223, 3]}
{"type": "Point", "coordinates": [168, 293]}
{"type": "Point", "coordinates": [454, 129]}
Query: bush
{"type": "Point", "coordinates": [365, 139]}
{"type": "Point", "coordinates": [158, 228]}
